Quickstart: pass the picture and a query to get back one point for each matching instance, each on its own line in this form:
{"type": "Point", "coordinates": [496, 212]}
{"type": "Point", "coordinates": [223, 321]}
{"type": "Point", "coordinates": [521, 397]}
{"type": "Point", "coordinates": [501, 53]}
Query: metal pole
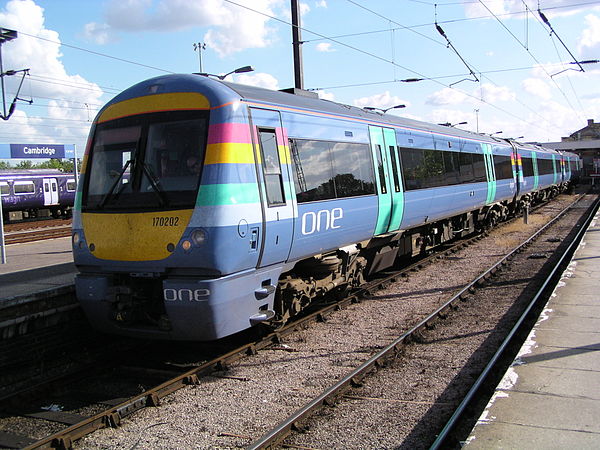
{"type": "Point", "coordinates": [200, 46]}
{"type": "Point", "coordinates": [297, 43]}
{"type": "Point", "coordinates": [3, 93]}
{"type": "Point", "coordinates": [2, 234]}
{"type": "Point", "coordinates": [75, 171]}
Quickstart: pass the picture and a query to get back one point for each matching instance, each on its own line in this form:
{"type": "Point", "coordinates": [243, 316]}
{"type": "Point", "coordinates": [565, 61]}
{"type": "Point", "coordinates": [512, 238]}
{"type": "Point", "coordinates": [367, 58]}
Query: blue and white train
{"type": "Point", "coordinates": [206, 207]}
{"type": "Point", "coordinates": [25, 193]}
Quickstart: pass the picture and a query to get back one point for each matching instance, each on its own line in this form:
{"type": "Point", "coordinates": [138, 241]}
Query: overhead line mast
{"type": "Point", "coordinates": [297, 45]}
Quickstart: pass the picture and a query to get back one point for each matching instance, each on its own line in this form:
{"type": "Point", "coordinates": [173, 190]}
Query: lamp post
{"type": "Point", "coordinates": [383, 110]}
{"type": "Point", "coordinates": [448, 124]}
{"type": "Point", "coordinates": [222, 77]}
{"type": "Point", "coordinates": [199, 47]}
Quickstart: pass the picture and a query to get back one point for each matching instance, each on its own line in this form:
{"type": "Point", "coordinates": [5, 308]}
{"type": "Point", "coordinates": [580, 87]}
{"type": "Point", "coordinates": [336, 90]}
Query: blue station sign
{"type": "Point", "coordinates": [27, 151]}
{"type": "Point", "coordinates": [32, 151]}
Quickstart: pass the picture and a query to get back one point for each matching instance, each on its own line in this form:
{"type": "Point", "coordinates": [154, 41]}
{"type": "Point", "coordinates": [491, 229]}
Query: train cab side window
{"type": "Point", "coordinates": [271, 167]}
{"type": "Point", "coordinates": [4, 189]}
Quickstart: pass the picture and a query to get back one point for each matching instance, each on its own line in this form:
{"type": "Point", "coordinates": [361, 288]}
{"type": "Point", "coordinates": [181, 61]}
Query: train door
{"type": "Point", "coordinates": [50, 187]}
{"type": "Point", "coordinates": [388, 178]}
{"type": "Point", "coordinates": [536, 173]}
{"type": "Point", "coordinates": [490, 172]}
{"type": "Point", "coordinates": [271, 153]}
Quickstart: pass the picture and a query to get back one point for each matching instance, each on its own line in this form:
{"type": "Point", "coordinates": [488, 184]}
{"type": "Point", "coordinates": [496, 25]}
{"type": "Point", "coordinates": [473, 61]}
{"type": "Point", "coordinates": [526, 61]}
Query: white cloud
{"type": "Point", "coordinates": [589, 41]}
{"type": "Point", "coordinates": [98, 33]}
{"type": "Point", "coordinates": [492, 94]}
{"type": "Point", "coordinates": [260, 79]}
{"type": "Point", "coordinates": [383, 101]}
{"type": "Point", "coordinates": [537, 87]}
{"type": "Point", "coordinates": [49, 79]}
{"type": "Point", "coordinates": [324, 95]}
{"type": "Point", "coordinates": [321, 4]}
{"type": "Point", "coordinates": [551, 8]}
{"type": "Point", "coordinates": [453, 116]}
{"type": "Point", "coordinates": [446, 96]}
{"type": "Point", "coordinates": [234, 28]}
{"type": "Point", "coordinates": [304, 9]}
{"type": "Point", "coordinates": [325, 47]}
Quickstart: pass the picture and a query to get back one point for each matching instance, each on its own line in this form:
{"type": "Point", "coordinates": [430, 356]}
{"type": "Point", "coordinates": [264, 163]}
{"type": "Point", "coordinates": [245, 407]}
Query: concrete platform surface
{"type": "Point", "coordinates": [36, 266]}
{"type": "Point", "coordinates": [550, 397]}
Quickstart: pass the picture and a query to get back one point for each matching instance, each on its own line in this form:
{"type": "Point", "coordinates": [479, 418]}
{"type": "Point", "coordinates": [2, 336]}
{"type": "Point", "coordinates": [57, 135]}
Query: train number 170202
{"type": "Point", "coordinates": [165, 221]}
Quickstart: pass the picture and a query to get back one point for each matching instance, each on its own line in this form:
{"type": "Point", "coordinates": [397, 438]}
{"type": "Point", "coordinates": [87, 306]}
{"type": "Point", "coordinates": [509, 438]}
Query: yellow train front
{"type": "Point", "coordinates": [160, 254]}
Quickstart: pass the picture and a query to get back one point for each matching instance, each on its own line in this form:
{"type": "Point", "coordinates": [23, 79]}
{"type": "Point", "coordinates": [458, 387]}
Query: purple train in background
{"type": "Point", "coordinates": [30, 193]}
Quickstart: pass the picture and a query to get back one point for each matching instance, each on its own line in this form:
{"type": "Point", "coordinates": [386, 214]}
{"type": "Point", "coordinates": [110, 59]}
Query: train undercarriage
{"type": "Point", "coordinates": [346, 268]}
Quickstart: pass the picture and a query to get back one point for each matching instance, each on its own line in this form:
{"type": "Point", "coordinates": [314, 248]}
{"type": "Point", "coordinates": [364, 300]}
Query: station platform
{"type": "Point", "coordinates": [37, 266]}
{"type": "Point", "coordinates": [550, 396]}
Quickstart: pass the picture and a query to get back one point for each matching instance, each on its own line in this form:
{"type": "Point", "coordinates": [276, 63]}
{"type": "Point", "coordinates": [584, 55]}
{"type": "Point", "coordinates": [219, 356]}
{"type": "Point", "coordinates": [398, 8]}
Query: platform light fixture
{"type": "Point", "coordinates": [383, 110]}
{"type": "Point", "coordinates": [448, 124]}
{"type": "Point", "coordinates": [222, 77]}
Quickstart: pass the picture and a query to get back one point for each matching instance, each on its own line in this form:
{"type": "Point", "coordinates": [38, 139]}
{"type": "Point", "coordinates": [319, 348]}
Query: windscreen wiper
{"type": "Point", "coordinates": [153, 182]}
{"type": "Point", "coordinates": [109, 194]}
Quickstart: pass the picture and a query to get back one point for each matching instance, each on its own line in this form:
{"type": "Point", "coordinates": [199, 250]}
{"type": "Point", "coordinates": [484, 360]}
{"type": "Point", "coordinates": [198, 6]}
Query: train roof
{"type": "Point", "coordinates": [31, 172]}
{"type": "Point", "coordinates": [223, 92]}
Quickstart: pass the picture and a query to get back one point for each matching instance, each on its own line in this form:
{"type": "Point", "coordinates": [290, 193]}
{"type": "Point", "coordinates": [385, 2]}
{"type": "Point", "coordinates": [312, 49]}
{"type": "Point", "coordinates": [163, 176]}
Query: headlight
{"type": "Point", "coordinates": [199, 236]}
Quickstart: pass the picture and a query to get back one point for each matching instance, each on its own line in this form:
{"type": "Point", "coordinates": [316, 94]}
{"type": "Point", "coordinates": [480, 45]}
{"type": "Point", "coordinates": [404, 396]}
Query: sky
{"type": "Point", "coordinates": [494, 64]}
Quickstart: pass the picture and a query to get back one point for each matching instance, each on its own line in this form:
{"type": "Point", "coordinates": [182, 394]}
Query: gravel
{"type": "Point", "coordinates": [400, 406]}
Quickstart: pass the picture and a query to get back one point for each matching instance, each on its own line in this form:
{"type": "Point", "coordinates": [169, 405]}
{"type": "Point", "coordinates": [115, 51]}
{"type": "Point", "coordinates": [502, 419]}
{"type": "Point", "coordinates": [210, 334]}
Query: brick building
{"type": "Point", "coordinates": [584, 142]}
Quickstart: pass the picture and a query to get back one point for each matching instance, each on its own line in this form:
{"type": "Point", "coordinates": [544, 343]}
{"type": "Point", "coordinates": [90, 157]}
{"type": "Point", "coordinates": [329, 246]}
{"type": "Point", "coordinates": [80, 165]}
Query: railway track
{"type": "Point", "coordinates": [37, 234]}
{"type": "Point", "coordinates": [115, 411]}
{"type": "Point", "coordinates": [417, 336]}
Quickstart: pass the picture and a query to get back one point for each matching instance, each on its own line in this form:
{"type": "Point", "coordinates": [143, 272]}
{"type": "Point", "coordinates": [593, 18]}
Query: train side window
{"type": "Point", "coordinates": [46, 187]}
{"type": "Point", "coordinates": [24, 187]}
{"type": "Point", "coordinates": [271, 167]}
{"type": "Point", "coordinates": [71, 186]}
{"type": "Point", "coordinates": [412, 167]}
{"type": "Point", "coordinates": [451, 168]}
{"type": "Point", "coordinates": [545, 166]}
{"type": "Point", "coordinates": [352, 169]}
{"type": "Point", "coordinates": [313, 170]}
{"type": "Point", "coordinates": [479, 171]}
{"type": "Point", "coordinates": [4, 188]}
{"type": "Point", "coordinates": [503, 167]}
{"type": "Point", "coordinates": [394, 169]}
{"type": "Point", "coordinates": [433, 168]}
{"type": "Point", "coordinates": [466, 167]}
{"type": "Point", "coordinates": [527, 167]}
{"type": "Point", "coordinates": [380, 169]}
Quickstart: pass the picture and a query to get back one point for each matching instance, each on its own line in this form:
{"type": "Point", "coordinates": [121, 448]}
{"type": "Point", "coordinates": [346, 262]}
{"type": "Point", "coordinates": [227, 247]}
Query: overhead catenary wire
{"type": "Point", "coordinates": [441, 31]}
{"type": "Point", "coordinates": [534, 58]}
{"type": "Point", "coordinates": [380, 58]}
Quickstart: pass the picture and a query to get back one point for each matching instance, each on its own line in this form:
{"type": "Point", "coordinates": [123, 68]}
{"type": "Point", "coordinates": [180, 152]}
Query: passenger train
{"type": "Point", "coordinates": [29, 193]}
{"type": "Point", "coordinates": [207, 207]}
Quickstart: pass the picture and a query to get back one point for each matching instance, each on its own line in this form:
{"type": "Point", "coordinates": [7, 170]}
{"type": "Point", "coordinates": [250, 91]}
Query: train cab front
{"type": "Point", "coordinates": [140, 239]}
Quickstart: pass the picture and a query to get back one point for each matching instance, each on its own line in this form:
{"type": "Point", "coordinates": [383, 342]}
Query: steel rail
{"type": "Point", "coordinates": [281, 430]}
{"type": "Point", "coordinates": [112, 416]}
{"type": "Point", "coordinates": [19, 237]}
{"type": "Point", "coordinates": [442, 438]}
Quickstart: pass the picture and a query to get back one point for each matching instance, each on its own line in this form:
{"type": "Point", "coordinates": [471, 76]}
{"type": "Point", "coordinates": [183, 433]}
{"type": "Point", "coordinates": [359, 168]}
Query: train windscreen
{"type": "Point", "coordinates": [146, 163]}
